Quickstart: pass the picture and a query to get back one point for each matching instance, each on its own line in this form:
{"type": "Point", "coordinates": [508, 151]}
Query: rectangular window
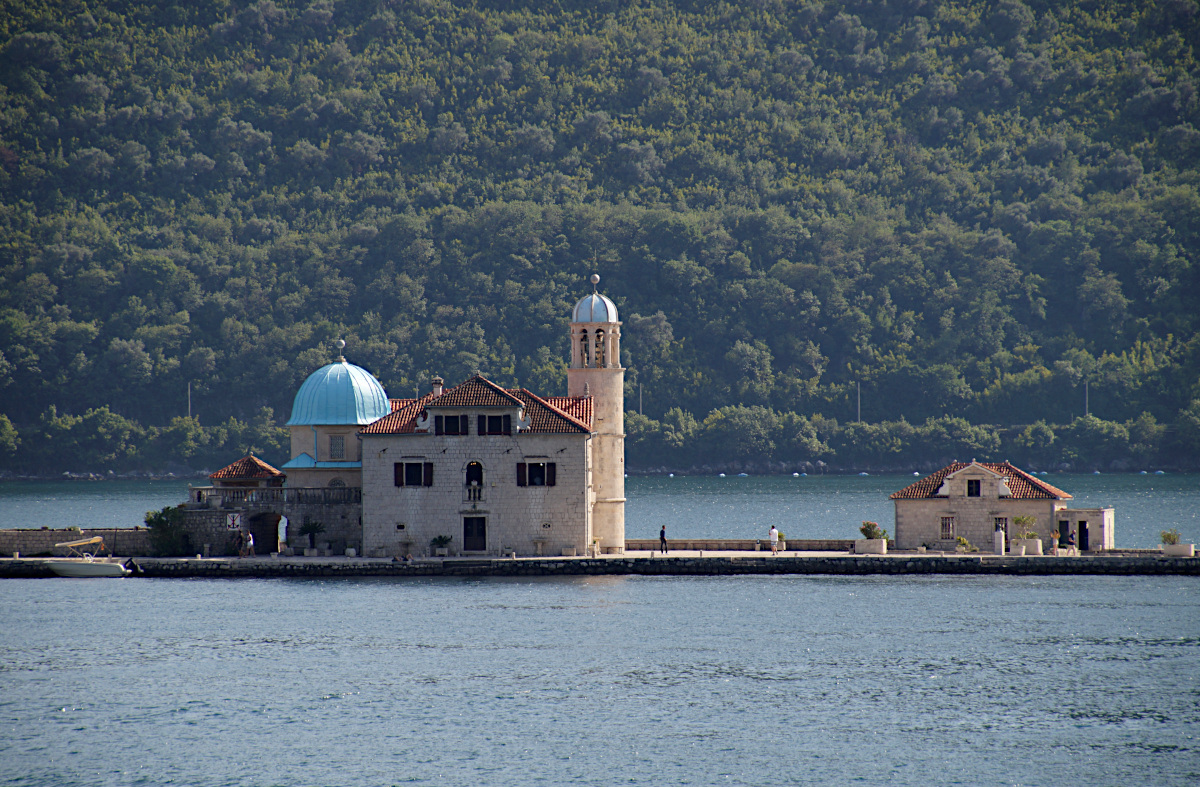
{"type": "Point", "coordinates": [973, 487]}
{"type": "Point", "coordinates": [947, 528]}
{"type": "Point", "coordinates": [412, 473]}
{"type": "Point", "coordinates": [337, 446]}
{"type": "Point", "coordinates": [494, 424]}
{"type": "Point", "coordinates": [537, 473]}
{"type": "Point", "coordinates": [450, 424]}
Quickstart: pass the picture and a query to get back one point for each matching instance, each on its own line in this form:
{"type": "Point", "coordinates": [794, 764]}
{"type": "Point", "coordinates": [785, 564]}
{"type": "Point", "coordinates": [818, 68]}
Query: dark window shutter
{"type": "Point", "coordinates": [439, 424]}
{"type": "Point", "coordinates": [551, 472]}
{"type": "Point", "coordinates": [398, 473]}
{"type": "Point", "coordinates": [521, 476]}
{"type": "Point", "coordinates": [508, 424]}
{"type": "Point", "coordinates": [481, 422]}
{"type": "Point", "coordinates": [429, 474]}
{"type": "Point", "coordinates": [462, 424]}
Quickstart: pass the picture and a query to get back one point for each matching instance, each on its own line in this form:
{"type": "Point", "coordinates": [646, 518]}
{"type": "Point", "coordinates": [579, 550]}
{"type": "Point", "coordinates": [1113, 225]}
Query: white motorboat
{"type": "Point", "coordinates": [82, 563]}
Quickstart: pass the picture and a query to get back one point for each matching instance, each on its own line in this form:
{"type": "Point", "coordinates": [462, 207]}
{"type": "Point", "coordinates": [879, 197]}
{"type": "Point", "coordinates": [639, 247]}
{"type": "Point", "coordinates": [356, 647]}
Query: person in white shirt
{"type": "Point", "coordinates": [774, 540]}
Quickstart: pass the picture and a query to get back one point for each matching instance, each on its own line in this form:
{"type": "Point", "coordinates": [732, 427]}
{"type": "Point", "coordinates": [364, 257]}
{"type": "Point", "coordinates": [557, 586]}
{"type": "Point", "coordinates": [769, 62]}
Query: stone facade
{"type": "Point", "coordinates": [529, 519]}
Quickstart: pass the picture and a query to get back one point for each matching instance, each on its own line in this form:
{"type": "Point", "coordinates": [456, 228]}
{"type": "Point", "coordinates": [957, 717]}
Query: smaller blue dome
{"type": "Point", "coordinates": [339, 393]}
{"type": "Point", "coordinates": [595, 308]}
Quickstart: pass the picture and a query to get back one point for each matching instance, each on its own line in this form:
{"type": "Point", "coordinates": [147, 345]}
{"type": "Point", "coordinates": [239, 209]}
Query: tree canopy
{"type": "Point", "coordinates": [947, 212]}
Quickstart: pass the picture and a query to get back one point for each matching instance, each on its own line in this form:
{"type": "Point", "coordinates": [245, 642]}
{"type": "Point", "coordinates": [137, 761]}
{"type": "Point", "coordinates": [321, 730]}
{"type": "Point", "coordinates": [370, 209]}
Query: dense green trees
{"type": "Point", "coordinates": [970, 212]}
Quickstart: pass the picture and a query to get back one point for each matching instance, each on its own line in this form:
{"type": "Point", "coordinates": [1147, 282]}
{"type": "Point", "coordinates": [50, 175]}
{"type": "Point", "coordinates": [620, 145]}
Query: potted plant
{"type": "Point", "coordinates": [311, 530]}
{"type": "Point", "coordinates": [874, 540]}
{"type": "Point", "coordinates": [782, 542]}
{"type": "Point", "coordinates": [1026, 537]}
{"type": "Point", "coordinates": [1171, 546]}
{"type": "Point", "coordinates": [440, 545]}
{"type": "Point", "coordinates": [963, 545]}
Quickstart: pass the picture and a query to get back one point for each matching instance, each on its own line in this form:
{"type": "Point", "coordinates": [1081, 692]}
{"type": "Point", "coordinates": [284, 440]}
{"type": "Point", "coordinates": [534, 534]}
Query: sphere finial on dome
{"type": "Point", "coordinates": [595, 281]}
{"type": "Point", "coordinates": [341, 345]}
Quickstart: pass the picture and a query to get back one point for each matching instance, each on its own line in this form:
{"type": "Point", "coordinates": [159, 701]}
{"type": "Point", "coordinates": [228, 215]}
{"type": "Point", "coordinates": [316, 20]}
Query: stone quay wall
{"type": "Point", "coordinates": [682, 566]}
{"type": "Point", "coordinates": [741, 544]}
{"type": "Point", "coordinates": [31, 542]}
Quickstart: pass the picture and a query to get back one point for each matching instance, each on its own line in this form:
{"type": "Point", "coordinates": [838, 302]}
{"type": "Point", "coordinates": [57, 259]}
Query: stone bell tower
{"type": "Point", "coordinates": [596, 371]}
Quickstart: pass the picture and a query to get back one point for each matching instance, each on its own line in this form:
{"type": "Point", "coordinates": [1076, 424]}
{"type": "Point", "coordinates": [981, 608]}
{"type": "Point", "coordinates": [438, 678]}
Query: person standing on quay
{"type": "Point", "coordinates": [662, 539]}
{"type": "Point", "coordinates": [250, 543]}
{"type": "Point", "coordinates": [774, 534]}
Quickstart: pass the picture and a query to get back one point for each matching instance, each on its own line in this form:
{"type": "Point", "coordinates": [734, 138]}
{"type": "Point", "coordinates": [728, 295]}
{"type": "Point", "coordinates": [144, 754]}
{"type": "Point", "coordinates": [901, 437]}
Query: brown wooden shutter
{"type": "Point", "coordinates": [462, 424]}
{"type": "Point", "coordinates": [481, 422]}
{"type": "Point", "coordinates": [551, 473]}
{"type": "Point", "coordinates": [508, 424]}
{"type": "Point", "coordinates": [522, 477]}
{"type": "Point", "coordinates": [439, 424]}
{"type": "Point", "coordinates": [428, 481]}
{"type": "Point", "coordinates": [398, 473]}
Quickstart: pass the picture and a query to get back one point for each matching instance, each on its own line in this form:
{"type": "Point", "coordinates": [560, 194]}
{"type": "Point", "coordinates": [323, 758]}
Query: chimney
{"type": "Point", "coordinates": [437, 386]}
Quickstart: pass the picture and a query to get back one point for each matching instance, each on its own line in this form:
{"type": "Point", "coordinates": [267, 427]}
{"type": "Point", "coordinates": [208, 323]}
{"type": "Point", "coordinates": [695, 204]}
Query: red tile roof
{"type": "Point", "coordinates": [551, 415]}
{"type": "Point", "coordinates": [1022, 485]}
{"type": "Point", "coordinates": [248, 467]}
{"type": "Point", "coordinates": [476, 392]}
{"type": "Point", "coordinates": [403, 418]}
{"type": "Point", "coordinates": [578, 407]}
{"type": "Point", "coordinates": [545, 418]}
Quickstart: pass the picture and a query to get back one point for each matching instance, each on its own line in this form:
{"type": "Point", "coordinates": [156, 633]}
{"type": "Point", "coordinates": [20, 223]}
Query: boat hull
{"type": "Point", "coordinates": [86, 568]}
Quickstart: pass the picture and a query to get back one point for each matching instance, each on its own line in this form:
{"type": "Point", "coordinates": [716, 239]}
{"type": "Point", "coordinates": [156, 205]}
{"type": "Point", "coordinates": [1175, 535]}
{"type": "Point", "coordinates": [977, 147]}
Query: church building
{"type": "Point", "coordinates": [490, 470]}
{"type": "Point", "coordinates": [474, 469]}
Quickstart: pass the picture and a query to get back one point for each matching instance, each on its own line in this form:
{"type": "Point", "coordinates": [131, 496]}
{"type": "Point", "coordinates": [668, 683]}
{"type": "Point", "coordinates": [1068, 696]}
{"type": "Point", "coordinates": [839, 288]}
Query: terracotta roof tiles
{"type": "Point", "coordinates": [550, 415]}
{"type": "Point", "coordinates": [476, 392]}
{"type": "Point", "coordinates": [1022, 485]}
{"type": "Point", "coordinates": [248, 467]}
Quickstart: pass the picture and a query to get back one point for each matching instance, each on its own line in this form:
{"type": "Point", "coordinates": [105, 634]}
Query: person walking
{"type": "Point", "coordinates": [250, 543]}
{"type": "Point", "coordinates": [662, 539]}
{"type": "Point", "coordinates": [1071, 550]}
{"type": "Point", "coordinates": [774, 534]}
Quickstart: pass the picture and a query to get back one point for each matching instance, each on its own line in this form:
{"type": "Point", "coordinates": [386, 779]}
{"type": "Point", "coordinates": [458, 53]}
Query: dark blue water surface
{"type": "Point", "coordinates": [630, 680]}
{"type": "Point", "coordinates": [690, 507]}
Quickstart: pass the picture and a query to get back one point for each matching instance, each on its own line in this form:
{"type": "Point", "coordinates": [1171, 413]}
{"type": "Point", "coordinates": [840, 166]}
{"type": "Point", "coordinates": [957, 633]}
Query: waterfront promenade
{"type": "Point", "coordinates": [644, 562]}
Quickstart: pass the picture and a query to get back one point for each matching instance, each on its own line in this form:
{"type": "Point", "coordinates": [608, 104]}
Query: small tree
{"type": "Point", "coordinates": [1170, 537]}
{"type": "Point", "coordinates": [1025, 525]}
{"type": "Point", "coordinates": [168, 534]}
{"type": "Point", "coordinates": [873, 530]}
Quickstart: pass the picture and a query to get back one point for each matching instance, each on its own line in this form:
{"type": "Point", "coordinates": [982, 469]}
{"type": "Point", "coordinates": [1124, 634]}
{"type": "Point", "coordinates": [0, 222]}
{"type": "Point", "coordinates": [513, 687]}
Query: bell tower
{"type": "Point", "coordinates": [596, 371]}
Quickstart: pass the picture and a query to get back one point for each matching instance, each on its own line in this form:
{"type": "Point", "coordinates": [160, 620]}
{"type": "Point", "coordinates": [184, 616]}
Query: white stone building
{"type": "Point", "coordinates": [973, 499]}
{"type": "Point", "coordinates": [505, 471]}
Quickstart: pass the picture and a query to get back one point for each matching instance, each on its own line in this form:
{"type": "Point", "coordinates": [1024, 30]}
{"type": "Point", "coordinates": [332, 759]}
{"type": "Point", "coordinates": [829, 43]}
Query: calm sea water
{"type": "Point", "coordinates": [601, 681]}
{"type": "Point", "coordinates": [695, 507]}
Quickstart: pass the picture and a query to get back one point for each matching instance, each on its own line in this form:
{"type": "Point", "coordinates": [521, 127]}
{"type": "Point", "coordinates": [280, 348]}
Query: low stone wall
{"type": "Point", "coordinates": [125, 542]}
{"type": "Point", "coordinates": [696, 566]}
{"type": "Point", "coordinates": [741, 544]}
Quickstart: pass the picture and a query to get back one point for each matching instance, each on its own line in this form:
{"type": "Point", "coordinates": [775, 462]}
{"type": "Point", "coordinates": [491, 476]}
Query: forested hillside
{"type": "Point", "coordinates": [971, 214]}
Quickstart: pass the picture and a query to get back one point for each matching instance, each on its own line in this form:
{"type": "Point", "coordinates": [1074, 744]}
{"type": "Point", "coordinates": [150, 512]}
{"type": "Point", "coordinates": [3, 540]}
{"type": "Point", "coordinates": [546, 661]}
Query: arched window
{"type": "Point", "coordinates": [584, 349]}
{"type": "Point", "coordinates": [473, 481]}
{"type": "Point", "coordinates": [337, 483]}
{"type": "Point", "coordinates": [600, 350]}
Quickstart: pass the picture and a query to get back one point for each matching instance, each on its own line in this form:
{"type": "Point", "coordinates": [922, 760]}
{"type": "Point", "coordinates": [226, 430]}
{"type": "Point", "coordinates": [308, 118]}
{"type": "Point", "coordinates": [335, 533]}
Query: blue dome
{"type": "Point", "coordinates": [595, 308]}
{"type": "Point", "coordinates": [339, 393]}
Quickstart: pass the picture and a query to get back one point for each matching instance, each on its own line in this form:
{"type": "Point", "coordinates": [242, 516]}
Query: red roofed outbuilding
{"type": "Point", "coordinates": [973, 500]}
